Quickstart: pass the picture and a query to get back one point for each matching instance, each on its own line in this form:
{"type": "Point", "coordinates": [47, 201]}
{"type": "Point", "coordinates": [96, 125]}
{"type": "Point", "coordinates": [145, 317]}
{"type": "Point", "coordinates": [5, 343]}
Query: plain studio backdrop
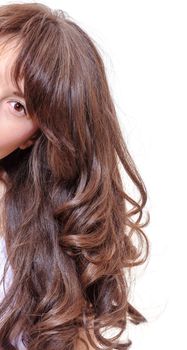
{"type": "Point", "coordinates": [143, 44]}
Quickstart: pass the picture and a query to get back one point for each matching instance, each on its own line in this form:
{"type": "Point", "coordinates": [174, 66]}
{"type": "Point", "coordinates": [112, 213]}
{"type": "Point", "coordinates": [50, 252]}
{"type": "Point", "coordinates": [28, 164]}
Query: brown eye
{"type": "Point", "coordinates": [18, 107]}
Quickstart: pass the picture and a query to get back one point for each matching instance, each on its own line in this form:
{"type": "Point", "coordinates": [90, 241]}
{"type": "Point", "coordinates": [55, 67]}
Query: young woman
{"type": "Point", "coordinates": [66, 229]}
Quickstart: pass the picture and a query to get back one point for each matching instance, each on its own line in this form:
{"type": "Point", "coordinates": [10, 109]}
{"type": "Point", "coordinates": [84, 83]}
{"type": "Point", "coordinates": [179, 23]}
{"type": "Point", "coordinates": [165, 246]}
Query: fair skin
{"type": "Point", "coordinates": [16, 126]}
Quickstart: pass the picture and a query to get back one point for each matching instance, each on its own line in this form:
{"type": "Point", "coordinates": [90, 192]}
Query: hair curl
{"type": "Point", "coordinates": [67, 228]}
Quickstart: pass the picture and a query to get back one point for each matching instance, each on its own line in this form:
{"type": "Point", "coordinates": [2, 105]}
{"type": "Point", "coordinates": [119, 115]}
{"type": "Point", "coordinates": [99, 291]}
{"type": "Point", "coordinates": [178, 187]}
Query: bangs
{"type": "Point", "coordinates": [37, 63]}
{"type": "Point", "coordinates": [12, 43]}
{"type": "Point", "coordinates": [33, 63]}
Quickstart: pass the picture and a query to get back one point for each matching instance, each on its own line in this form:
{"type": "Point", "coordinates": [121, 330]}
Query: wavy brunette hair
{"type": "Point", "coordinates": [67, 226]}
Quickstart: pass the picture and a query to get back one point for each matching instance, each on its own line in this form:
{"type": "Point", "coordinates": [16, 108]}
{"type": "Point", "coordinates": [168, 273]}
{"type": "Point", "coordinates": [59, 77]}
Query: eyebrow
{"type": "Point", "coordinates": [19, 94]}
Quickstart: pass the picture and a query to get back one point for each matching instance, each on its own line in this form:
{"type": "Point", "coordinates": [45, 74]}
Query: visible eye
{"type": "Point", "coordinates": [18, 107]}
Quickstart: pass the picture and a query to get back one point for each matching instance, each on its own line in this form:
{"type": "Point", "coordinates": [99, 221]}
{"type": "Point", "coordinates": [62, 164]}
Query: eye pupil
{"type": "Point", "coordinates": [19, 105]}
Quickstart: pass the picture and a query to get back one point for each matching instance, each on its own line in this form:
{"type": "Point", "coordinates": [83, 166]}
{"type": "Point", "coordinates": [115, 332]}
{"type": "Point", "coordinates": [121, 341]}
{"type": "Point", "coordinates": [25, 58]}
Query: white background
{"type": "Point", "coordinates": [144, 45]}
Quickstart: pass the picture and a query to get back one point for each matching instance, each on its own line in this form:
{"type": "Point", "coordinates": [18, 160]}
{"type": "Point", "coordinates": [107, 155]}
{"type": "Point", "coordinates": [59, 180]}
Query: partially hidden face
{"type": "Point", "coordinates": [16, 126]}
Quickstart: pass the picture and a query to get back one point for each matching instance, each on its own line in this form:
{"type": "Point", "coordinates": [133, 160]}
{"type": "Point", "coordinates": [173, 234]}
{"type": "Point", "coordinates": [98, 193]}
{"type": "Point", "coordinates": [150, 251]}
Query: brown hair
{"type": "Point", "coordinates": [68, 230]}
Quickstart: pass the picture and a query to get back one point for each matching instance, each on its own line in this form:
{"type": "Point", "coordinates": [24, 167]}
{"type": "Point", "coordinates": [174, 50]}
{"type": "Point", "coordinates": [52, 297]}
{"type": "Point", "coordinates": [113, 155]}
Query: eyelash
{"type": "Point", "coordinates": [21, 106]}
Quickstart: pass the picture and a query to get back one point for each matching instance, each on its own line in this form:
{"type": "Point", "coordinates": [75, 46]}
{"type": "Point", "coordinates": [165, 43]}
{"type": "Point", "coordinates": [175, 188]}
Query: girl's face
{"type": "Point", "coordinates": [16, 126]}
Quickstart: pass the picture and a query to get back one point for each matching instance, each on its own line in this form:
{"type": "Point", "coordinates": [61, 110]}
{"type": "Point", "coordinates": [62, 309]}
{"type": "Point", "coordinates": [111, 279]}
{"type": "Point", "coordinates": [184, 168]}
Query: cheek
{"type": "Point", "coordinates": [12, 135]}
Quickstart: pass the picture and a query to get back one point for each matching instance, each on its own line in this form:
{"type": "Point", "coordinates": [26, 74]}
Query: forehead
{"type": "Point", "coordinates": [8, 53]}
{"type": "Point", "coordinates": [7, 44]}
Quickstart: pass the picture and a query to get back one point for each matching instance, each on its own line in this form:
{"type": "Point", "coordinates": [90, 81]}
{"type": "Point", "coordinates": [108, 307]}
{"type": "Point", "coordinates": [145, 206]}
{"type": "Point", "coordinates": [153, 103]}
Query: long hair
{"type": "Point", "coordinates": [68, 231]}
